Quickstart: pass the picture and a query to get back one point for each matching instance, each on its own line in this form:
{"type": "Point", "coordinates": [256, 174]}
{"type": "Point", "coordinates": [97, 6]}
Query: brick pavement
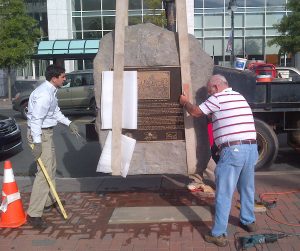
{"type": "Point", "coordinates": [87, 226]}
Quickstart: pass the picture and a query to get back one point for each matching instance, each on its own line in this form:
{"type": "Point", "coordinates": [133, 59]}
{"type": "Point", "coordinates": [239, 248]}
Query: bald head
{"type": "Point", "coordinates": [216, 83]}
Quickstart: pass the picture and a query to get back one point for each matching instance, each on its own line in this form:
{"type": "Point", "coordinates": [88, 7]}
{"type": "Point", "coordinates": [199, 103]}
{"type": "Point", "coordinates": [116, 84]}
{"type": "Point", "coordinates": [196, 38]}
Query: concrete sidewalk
{"type": "Point", "coordinates": [92, 225]}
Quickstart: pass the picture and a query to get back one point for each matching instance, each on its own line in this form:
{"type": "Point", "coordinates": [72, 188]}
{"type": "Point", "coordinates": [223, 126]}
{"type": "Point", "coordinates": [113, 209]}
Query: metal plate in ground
{"type": "Point", "coordinates": [129, 215]}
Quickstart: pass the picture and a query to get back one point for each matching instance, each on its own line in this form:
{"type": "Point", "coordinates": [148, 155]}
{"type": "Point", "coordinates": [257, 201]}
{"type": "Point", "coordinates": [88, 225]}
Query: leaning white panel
{"type": "Point", "coordinates": [127, 148]}
{"type": "Point", "coordinates": [129, 112]}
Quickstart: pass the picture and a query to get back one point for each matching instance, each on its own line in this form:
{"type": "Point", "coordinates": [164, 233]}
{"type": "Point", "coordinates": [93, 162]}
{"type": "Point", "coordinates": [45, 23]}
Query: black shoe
{"type": "Point", "coordinates": [54, 206]}
{"type": "Point", "coordinates": [37, 222]}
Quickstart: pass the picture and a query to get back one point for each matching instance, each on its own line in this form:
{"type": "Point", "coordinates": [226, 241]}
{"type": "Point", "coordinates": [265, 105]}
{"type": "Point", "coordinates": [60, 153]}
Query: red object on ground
{"type": "Point", "coordinates": [13, 214]}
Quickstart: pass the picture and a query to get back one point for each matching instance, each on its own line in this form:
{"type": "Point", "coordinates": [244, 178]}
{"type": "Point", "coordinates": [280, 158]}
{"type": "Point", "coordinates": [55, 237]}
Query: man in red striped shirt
{"type": "Point", "coordinates": [235, 135]}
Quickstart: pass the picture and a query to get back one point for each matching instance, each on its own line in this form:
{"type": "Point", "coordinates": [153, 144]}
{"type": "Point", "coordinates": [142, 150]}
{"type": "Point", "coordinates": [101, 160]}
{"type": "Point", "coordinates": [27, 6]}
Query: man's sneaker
{"type": "Point", "coordinates": [250, 227]}
{"type": "Point", "coordinates": [37, 222]}
{"type": "Point", "coordinates": [53, 206]}
{"type": "Point", "coordinates": [220, 241]}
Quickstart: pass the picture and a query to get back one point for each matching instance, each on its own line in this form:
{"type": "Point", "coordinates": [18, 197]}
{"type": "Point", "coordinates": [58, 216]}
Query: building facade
{"type": "Point", "coordinates": [208, 20]}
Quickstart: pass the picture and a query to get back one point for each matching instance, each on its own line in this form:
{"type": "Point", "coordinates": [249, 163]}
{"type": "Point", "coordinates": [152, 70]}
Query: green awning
{"type": "Point", "coordinates": [67, 49]}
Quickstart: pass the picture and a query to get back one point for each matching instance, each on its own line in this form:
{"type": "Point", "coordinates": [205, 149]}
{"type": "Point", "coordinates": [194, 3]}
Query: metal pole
{"type": "Point", "coordinates": [232, 30]}
{"type": "Point", "coordinates": [169, 6]}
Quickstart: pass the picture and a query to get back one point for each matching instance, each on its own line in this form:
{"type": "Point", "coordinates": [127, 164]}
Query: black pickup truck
{"type": "Point", "coordinates": [276, 109]}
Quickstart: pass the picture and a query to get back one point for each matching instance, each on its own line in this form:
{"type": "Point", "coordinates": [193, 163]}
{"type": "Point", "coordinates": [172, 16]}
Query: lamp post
{"type": "Point", "coordinates": [232, 7]}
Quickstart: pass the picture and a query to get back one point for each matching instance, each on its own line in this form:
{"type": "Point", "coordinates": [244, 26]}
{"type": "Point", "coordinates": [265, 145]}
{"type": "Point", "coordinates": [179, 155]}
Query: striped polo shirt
{"type": "Point", "coordinates": [232, 117]}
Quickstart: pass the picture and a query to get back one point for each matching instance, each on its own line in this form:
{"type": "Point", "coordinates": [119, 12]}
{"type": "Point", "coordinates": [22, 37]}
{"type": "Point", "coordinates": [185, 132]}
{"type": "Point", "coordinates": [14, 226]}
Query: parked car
{"type": "Point", "coordinates": [10, 134]}
{"type": "Point", "coordinates": [288, 73]}
{"type": "Point", "coordinates": [77, 93]}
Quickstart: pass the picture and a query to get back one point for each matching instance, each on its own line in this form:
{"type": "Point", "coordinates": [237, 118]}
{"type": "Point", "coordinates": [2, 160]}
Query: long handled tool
{"type": "Point", "coordinates": [51, 186]}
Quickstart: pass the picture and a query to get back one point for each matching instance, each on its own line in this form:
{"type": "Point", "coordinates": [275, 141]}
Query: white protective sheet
{"type": "Point", "coordinates": [129, 113]}
{"type": "Point", "coordinates": [127, 148]}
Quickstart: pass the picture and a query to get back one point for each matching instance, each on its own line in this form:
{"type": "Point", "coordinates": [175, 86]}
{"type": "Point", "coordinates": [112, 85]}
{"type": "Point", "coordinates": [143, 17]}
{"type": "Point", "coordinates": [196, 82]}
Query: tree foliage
{"type": "Point", "coordinates": [18, 34]}
{"type": "Point", "coordinates": [289, 29]}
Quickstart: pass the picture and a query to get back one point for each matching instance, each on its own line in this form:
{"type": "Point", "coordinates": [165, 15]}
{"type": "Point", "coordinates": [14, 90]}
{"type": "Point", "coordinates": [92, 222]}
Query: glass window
{"type": "Point", "coordinates": [213, 33]}
{"type": "Point", "coordinates": [198, 4]}
{"type": "Point", "coordinates": [77, 5]}
{"type": "Point", "coordinates": [77, 23]}
{"type": "Point", "coordinates": [274, 49]}
{"type": "Point", "coordinates": [255, 3]}
{"type": "Point", "coordinates": [152, 4]}
{"type": "Point", "coordinates": [135, 4]}
{"type": "Point", "coordinates": [88, 63]}
{"type": "Point", "coordinates": [77, 35]}
{"type": "Point", "coordinates": [238, 20]}
{"type": "Point", "coordinates": [211, 21]}
{"type": "Point", "coordinates": [254, 32]}
{"type": "Point", "coordinates": [275, 2]}
{"type": "Point", "coordinates": [198, 21]}
{"type": "Point", "coordinates": [271, 32]}
{"type": "Point", "coordinates": [273, 18]}
{"type": "Point", "coordinates": [237, 32]}
{"type": "Point", "coordinates": [254, 46]}
{"type": "Point", "coordinates": [91, 13]}
{"type": "Point", "coordinates": [90, 5]}
{"type": "Point", "coordinates": [198, 33]}
{"type": "Point", "coordinates": [238, 47]}
{"type": "Point", "coordinates": [240, 3]}
{"type": "Point", "coordinates": [134, 20]}
{"type": "Point", "coordinates": [253, 20]}
{"type": "Point", "coordinates": [92, 23]}
{"type": "Point", "coordinates": [108, 23]}
{"type": "Point", "coordinates": [213, 46]}
{"type": "Point", "coordinates": [108, 4]}
{"type": "Point", "coordinates": [213, 4]}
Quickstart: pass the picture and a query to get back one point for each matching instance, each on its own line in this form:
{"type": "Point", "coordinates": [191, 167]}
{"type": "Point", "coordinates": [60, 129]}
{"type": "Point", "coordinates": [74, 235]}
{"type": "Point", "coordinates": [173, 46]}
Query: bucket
{"type": "Point", "coordinates": [240, 63]}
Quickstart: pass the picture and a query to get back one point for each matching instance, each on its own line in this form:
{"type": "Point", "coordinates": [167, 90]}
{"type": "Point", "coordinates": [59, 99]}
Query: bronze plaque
{"type": "Point", "coordinates": [160, 116]}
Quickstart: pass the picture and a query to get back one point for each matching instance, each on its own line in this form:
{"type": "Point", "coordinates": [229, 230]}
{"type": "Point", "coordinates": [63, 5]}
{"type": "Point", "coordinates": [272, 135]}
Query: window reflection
{"type": "Point", "coordinates": [213, 4]}
{"type": "Point", "coordinates": [135, 4]}
{"type": "Point", "coordinates": [92, 23]}
{"type": "Point", "coordinates": [255, 3]}
{"type": "Point", "coordinates": [108, 4]}
{"type": "Point", "coordinates": [90, 5]}
{"type": "Point", "coordinates": [108, 23]}
{"type": "Point", "coordinates": [198, 4]}
{"type": "Point", "coordinates": [77, 5]}
{"type": "Point", "coordinates": [276, 2]}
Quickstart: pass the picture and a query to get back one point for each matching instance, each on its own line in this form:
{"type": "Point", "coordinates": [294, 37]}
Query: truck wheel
{"type": "Point", "coordinates": [267, 143]}
{"type": "Point", "coordinates": [24, 109]}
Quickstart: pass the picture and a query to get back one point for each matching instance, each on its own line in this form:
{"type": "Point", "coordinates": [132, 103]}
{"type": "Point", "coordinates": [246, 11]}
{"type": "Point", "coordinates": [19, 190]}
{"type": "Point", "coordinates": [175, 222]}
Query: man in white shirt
{"type": "Point", "coordinates": [235, 135]}
{"type": "Point", "coordinates": [43, 114]}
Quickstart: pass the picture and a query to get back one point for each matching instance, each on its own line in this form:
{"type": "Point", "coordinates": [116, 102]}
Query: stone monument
{"type": "Point", "coordinates": [153, 52]}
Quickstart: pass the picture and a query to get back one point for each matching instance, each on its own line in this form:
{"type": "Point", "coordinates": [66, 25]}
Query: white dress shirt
{"type": "Point", "coordinates": [43, 110]}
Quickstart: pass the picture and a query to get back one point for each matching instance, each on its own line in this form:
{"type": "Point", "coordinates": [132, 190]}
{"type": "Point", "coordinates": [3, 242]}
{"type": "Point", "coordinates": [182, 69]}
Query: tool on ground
{"type": "Point", "coordinates": [253, 240]}
{"type": "Point", "coordinates": [51, 186]}
{"type": "Point", "coordinates": [13, 214]}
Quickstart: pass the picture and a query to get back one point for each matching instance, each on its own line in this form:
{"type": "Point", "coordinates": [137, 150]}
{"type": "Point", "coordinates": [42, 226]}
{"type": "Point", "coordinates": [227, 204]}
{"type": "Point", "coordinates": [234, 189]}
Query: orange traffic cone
{"type": "Point", "coordinates": [13, 214]}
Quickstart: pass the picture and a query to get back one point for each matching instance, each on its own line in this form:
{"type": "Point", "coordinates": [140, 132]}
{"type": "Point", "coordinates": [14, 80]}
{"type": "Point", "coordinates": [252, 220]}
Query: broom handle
{"type": "Point", "coordinates": [51, 186]}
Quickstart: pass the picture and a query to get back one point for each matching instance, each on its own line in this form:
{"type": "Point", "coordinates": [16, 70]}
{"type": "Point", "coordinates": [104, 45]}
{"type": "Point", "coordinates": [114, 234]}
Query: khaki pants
{"type": "Point", "coordinates": [40, 194]}
{"type": "Point", "coordinates": [208, 173]}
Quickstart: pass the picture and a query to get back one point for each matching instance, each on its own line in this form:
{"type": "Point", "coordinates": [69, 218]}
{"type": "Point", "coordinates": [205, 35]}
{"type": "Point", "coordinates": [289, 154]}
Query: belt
{"type": "Point", "coordinates": [238, 142]}
{"type": "Point", "coordinates": [47, 128]}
